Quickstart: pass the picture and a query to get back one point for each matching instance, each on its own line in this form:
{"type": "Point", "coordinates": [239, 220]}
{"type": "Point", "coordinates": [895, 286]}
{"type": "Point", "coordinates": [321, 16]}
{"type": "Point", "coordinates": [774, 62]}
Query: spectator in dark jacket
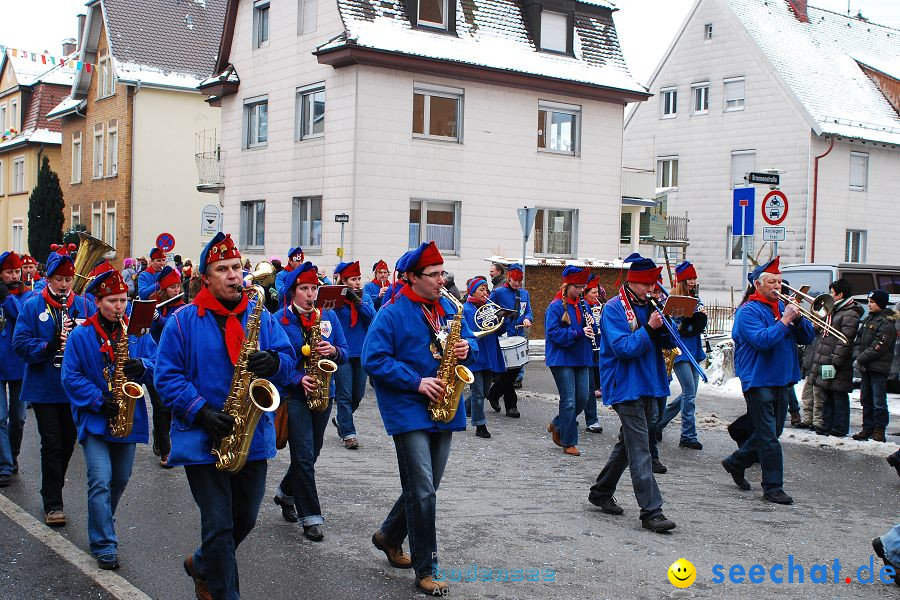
{"type": "Point", "coordinates": [874, 353]}
{"type": "Point", "coordinates": [450, 286]}
{"type": "Point", "coordinates": [497, 273]}
{"type": "Point", "coordinates": [832, 361]}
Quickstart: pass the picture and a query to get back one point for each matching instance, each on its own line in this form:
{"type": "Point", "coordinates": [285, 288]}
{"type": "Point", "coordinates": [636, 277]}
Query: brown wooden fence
{"type": "Point", "coordinates": [720, 318]}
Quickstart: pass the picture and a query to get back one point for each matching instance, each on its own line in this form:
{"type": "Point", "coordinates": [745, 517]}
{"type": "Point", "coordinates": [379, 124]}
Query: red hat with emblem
{"type": "Point", "coordinates": [101, 267]}
{"type": "Point", "coordinates": [107, 283]}
{"type": "Point", "coordinates": [221, 247]}
{"type": "Point", "coordinates": [379, 266]}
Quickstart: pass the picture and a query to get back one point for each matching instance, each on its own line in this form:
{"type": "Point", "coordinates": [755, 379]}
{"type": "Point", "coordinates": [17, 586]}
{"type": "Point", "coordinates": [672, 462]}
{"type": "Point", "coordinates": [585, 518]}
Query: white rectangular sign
{"type": "Point", "coordinates": [773, 234]}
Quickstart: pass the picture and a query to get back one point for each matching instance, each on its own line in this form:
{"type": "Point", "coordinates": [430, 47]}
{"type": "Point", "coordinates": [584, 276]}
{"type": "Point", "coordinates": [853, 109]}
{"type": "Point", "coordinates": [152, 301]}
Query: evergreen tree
{"type": "Point", "coordinates": [71, 234]}
{"type": "Point", "coordinates": [45, 213]}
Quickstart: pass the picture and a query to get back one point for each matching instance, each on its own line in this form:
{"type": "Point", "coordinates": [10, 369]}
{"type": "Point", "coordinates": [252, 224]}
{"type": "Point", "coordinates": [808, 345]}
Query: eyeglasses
{"type": "Point", "coordinates": [435, 275]}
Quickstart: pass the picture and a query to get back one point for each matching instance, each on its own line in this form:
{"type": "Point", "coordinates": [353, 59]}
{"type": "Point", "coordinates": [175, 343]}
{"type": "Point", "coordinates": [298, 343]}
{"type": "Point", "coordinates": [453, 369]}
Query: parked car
{"type": "Point", "coordinates": [863, 278]}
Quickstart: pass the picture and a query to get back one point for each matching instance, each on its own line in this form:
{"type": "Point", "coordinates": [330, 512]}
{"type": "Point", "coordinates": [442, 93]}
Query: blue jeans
{"type": "Point", "coordinates": [349, 389]}
{"type": "Point", "coordinates": [475, 400]}
{"type": "Point", "coordinates": [767, 407]}
{"type": "Point", "coordinates": [836, 412]}
{"type": "Point", "coordinates": [873, 397]}
{"type": "Point", "coordinates": [632, 451]}
{"type": "Point", "coordinates": [12, 424]}
{"type": "Point", "coordinates": [689, 378]}
{"type": "Point", "coordinates": [891, 542]}
{"type": "Point", "coordinates": [421, 457]}
{"type": "Point", "coordinates": [521, 374]}
{"type": "Point", "coordinates": [306, 432]}
{"type": "Point", "coordinates": [574, 385]}
{"type": "Point", "coordinates": [793, 404]}
{"type": "Point", "coordinates": [229, 505]}
{"type": "Point", "coordinates": [108, 471]}
{"type": "Point", "coordinates": [590, 407]}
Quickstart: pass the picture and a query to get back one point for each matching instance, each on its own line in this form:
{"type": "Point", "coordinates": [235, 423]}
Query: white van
{"type": "Point", "coordinates": [863, 278]}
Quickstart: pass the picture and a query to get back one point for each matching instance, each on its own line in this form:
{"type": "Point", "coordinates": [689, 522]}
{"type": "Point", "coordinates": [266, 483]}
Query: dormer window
{"type": "Point", "coordinates": [433, 13]}
{"type": "Point", "coordinates": [554, 31]}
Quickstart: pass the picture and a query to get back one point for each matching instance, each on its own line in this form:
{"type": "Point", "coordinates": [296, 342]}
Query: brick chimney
{"type": "Point", "coordinates": [68, 46]}
{"type": "Point", "coordinates": [799, 8]}
{"type": "Point", "coordinates": [81, 18]}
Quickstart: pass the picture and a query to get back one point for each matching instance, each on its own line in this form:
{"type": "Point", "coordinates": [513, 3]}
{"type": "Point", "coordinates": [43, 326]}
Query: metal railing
{"type": "Point", "coordinates": [677, 228]}
{"type": "Point", "coordinates": [208, 156]}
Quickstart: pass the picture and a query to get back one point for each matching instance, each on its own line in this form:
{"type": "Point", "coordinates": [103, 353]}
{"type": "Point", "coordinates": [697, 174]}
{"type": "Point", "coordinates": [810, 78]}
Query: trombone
{"type": "Point", "coordinates": [820, 307]}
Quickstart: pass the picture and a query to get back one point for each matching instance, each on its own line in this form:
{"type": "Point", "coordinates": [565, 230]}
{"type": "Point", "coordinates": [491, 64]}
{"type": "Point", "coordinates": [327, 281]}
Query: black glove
{"type": "Point", "coordinates": [109, 408]}
{"type": "Point", "coordinates": [215, 422]}
{"type": "Point", "coordinates": [353, 296]}
{"type": "Point", "coordinates": [53, 346]}
{"type": "Point", "coordinates": [264, 363]}
{"type": "Point", "coordinates": [134, 369]}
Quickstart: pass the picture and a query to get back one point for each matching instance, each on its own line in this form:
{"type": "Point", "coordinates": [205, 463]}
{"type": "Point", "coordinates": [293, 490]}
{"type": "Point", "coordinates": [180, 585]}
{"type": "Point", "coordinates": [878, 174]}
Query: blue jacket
{"type": "Point", "coordinates": [505, 296]}
{"type": "Point", "coordinates": [279, 285]}
{"type": "Point", "coordinates": [397, 355]}
{"type": "Point", "coordinates": [631, 362]}
{"type": "Point", "coordinates": [566, 345]}
{"type": "Point", "coordinates": [765, 349]}
{"type": "Point", "coordinates": [694, 343]}
{"type": "Point", "coordinates": [39, 285]}
{"type": "Point", "coordinates": [156, 327]}
{"type": "Point", "coordinates": [490, 357]}
{"type": "Point", "coordinates": [193, 369]}
{"type": "Point", "coordinates": [35, 327]}
{"type": "Point", "coordinates": [331, 333]}
{"type": "Point", "coordinates": [147, 284]}
{"type": "Point", "coordinates": [365, 313]}
{"type": "Point", "coordinates": [371, 291]}
{"type": "Point", "coordinates": [11, 366]}
{"type": "Point", "coordinates": [82, 377]}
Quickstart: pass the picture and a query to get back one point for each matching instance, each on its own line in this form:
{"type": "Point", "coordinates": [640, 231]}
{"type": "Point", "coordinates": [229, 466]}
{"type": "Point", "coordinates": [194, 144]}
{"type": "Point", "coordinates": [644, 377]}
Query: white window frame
{"type": "Point", "coordinates": [729, 246]}
{"type": "Point", "coordinates": [109, 235]}
{"type": "Point", "coordinates": [251, 122]}
{"type": "Point", "coordinates": [544, 235]}
{"type": "Point", "coordinates": [77, 157]}
{"type": "Point", "coordinates": [261, 17]}
{"type": "Point", "coordinates": [304, 115]}
{"type": "Point", "coordinates": [2, 177]}
{"type": "Point", "coordinates": [248, 209]}
{"type": "Point", "coordinates": [737, 179]}
{"type": "Point", "coordinates": [112, 150]}
{"type": "Point", "coordinates": [855, 243]}
{"type": "Point", "coordinates": [307, 16]}
{"type": "Point", "coordinates": [305, 230]}
{"type": "Point", "coordinates": [736, 103]}
{"type": "Point", "coordinates": [2, 118]}
{"type": "Point", "coordinates": [98, 155]}
{"type": "Point", "coordinates": [106, 78]}
{"type": "Point", "coordinates": [864, 186]}
{"type": "Point", "coordinates": [664, 102]}
{"type": "Point", "coordinates": [75, 215]}
{"type": "Point", "coordinates": [548, 108]}
{"type": "Point", "coordinates": [672, 180]}
{"type": "Point", "coordinates": [17, 235]}
{"type": "Point", "coordinates": [14, 115]}
{"type": "Point", "coordinates": [445, 9]}
{"type": "Point", "coordinates": [429, 91]}
{"type": "Point", "coordinates": [553, 20]}
{"type": "Point", "coordinates": [18, 182]}
{"type": "Point", "coordinates": [421, 233]}
{"type": "Point", "coordinates": [708, 31]}
{"type": "Point", "coordinates": [96, 220]}
{"type": "Point", "coordinates": [700, 95]}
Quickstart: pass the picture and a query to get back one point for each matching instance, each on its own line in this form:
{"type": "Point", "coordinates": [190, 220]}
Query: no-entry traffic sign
{"type": "Point", "coordinates": [165, 242]}
{"type": "Point", "coordinates": [774, 207]}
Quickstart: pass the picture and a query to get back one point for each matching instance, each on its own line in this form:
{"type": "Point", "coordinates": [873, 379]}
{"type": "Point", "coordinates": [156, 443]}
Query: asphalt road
{"type": "Point", "coordinates": [511, 502]}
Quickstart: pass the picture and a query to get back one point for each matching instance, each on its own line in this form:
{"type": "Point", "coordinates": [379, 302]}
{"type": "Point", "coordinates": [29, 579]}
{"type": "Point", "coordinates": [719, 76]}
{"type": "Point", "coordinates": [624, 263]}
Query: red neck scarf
{"type": "Point", "coordinates": [773, 304]}
{"type": "Point", "coordinates": [151, 269]}
{"type": "Point", "coordinates": [53, 303]}
{"type": "Point", "coordinates": [234, 331]}
{"type": "Point", "coordinates": [472, 300]}
{"type": "Point", "coordinates": [574, 303]}
{"type": "Point", "coordinates": [108, 345]}
{"type": "Point", "coordinates": [17, 290]}
{"type": "Point", "coordinates": [169, 308]}
{"type": "Point", "coordinates": [434, 306]}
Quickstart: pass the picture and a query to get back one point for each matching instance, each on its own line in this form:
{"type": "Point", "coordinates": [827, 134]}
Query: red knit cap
{"type": "Point", "coordinates": [12, 261]}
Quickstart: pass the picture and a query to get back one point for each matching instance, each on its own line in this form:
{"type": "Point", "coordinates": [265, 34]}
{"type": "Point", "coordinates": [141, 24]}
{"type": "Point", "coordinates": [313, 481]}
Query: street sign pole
{"type": "Point", "coordinates": [526, 220]}
{"type": "Point", "coordinates": [743, 243]}
{"type": "Point", "coordinates": [342, 218]}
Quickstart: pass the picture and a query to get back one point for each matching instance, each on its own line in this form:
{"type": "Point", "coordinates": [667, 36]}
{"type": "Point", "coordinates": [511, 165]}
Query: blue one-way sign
{"type": "Point", "coordinates": [743, 211]}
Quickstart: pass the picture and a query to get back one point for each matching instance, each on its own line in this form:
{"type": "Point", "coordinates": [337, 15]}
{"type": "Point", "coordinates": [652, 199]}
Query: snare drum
{"type": "Point", "coordinates": [515, 351]}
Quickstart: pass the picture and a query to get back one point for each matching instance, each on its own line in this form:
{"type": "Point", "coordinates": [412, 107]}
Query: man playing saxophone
{"type": "Point", "coordinates": [309, 399]}
{"type": "Point", "coordinates": [200, 345]}
{"type": "Point", "coordinates": [406, 344]}
{"type": "Point", "coordinates": [95, 353]}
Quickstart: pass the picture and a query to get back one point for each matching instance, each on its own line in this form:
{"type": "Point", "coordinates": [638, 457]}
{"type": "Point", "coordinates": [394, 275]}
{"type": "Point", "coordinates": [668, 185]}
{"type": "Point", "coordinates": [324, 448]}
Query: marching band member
{"type": "Point", "coordinates": [402, 354]}
{"type": "Point", "coordinates": [568, 354]}
{"type": "Point", "coordinates": [194, 368]}
{"type": "Point", "coordinates": [766, 334]}
{"type": "Point", "coordinates": [147, 281]}
{"type": "Point", "coordinates": [297, 495]}
{"type": "Point", "coordinates": [513, 296]}
{"type": "Point", "coordinates": [41, 332]}
{"type": "Point", "coordinates": [88, 374]}
{"type": "Point", "coordinates": [13, 293]}
{"type": "Point", "coordinates": [490, 358]}
{"type": "Point", "coordinates": [592, 297]}
{"type": "Point", "coordinates": [30, 274]}
{"type": "Point", "coordinates": [632, 376]}
{"type": "Point", "coordinates": [375, 289]}
{"type": "Point", "coordinates": [691, 330]}
{"type": "Point", "coordinates": [101, 266]}
{"type": "Point", "coordinates": [350, 379]}
{"type": "Point", "coordinates": [169, 282]}
{"type": "Point", "coordinates": [294, 260]}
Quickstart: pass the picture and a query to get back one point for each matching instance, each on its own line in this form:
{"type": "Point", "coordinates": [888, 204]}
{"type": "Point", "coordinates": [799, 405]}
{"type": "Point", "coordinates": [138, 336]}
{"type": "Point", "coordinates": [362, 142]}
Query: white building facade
{"type": "Point", "coordinates": [750, 85]}
{"type": "Point", "coordinates": [413, 133]}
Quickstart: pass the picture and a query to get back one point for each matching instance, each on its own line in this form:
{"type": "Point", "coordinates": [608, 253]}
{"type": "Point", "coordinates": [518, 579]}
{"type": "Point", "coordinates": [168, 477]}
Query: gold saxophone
{"type": "Point", "coordinates": [319, 369]}
{"type": "Point", "coordinates": [248, 397]}
{"type": "Point", "coordinates": [454, 375]}
{"type": "Point", "coordinates": [125, 393]}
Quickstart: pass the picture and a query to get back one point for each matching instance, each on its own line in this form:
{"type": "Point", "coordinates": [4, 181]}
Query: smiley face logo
{"type": "Point", "coordinates": [682, 573]}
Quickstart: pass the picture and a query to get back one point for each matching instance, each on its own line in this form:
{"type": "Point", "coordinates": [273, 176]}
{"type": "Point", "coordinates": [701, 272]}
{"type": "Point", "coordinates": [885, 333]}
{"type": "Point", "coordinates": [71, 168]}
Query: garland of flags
{"type": "Point", "coordinates": [47, 59]}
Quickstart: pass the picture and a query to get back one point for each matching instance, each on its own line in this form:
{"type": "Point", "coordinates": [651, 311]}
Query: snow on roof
{"type": "Point", "coordinates": [29, 72]}
{"type": "Point", "coordinates": [493, 34]}
{"type": "Point", "coordinates": [134, 73]}
{"type": "Point", "coordinates": [531, 261]}
{"type": "Point", "coordinates": [890, 67]}
{"type": "Point", "coordinates": [68, 105]}
{"type": "Point", "coordinates": [816, 61]}
{"type": "Point", "coordinates": [38, 136]}
{"type": "Point", "coordinates": [603, 3]}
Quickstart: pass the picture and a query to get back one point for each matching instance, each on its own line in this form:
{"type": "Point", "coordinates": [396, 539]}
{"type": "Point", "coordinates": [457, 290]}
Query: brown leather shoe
{"type": "Point", "coordinates": [394, 554]}
{"type": "Point", "coordinates": [351, 444]}
{"type": "Point", "coordinates": [878, 435]}
{"type": "Point", "coordinates": [55, 518]}
{"type": "Point", "coordinates": [427, 585]}
{"type": "Point", "coordinates": [554, 432]}
{"type": "Point", "coordinates": [572, 451]}
{"type": "Point", "coordinates": [200, 587]}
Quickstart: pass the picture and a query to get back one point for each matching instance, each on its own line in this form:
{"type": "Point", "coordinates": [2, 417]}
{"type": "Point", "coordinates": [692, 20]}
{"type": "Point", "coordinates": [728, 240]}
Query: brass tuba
{"type": "Point", "coordinates": [320, 369]}
{"type": "Point", "coordinates": [454, 375]}
{"type": "Point", "coordinates": [125, 393]}
{"type": "Point", "coordinates": [90, 250]}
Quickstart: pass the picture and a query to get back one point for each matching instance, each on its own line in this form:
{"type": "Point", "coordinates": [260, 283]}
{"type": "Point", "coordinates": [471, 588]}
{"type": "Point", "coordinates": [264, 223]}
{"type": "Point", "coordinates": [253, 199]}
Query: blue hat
{"type": "Point", "coordinates": [305, 273]}
{"type": "Point", "coordinates": [685, 270]}
{"type": "Point", "coordinates": [400, 266]}
{"type": "Point", "coordinates": [475, 283]}
{"type": "Point", "coordinates": [576, 275]}
{"type": "Point", "coordinates": [56, 261]}
{"type": "Point", "coordinates": [295, 250]}
{"type": "Point", "coordinates": [221, 247]}
{"type": "Point", "coordinates": [633, 257]}
{"type": "Point", "coordinates": [514, 267]}
{"type": "Point", "coordinates": [880, 297]}
{"type": "Point", "coordinates": [426, 255]}
{"type": "Point", "coordinates": [773, 266]}
{"type": "Point", "coordinates": [642, 270]}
